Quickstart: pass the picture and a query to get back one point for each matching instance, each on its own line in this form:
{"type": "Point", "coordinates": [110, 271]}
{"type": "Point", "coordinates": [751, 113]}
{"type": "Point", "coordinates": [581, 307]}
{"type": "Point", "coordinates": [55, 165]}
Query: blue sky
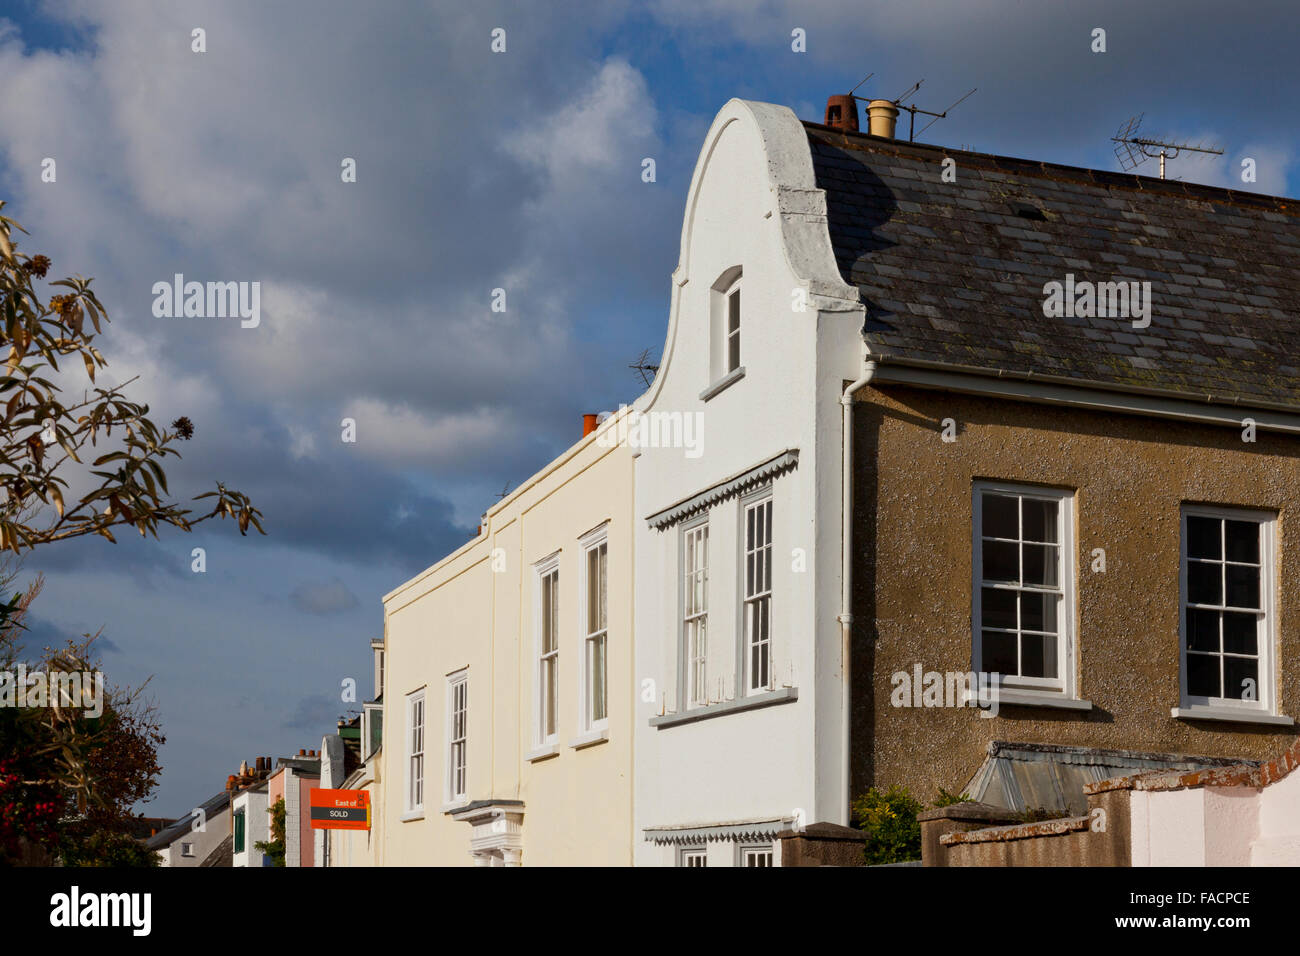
{"type": "Point", "coordinates": [475, 171]}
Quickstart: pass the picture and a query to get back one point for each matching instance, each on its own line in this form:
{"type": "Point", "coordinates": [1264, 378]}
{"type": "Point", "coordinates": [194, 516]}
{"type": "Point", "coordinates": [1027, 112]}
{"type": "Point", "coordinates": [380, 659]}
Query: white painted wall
{"type": "Point", "coordinates": [1278, 839]}
{"type": "Point", "coordinates": [753, 204]}
{"type": "Point", "coordinates": [256, 826]}
{"type": "Point", "coordinates": [1204, 826]}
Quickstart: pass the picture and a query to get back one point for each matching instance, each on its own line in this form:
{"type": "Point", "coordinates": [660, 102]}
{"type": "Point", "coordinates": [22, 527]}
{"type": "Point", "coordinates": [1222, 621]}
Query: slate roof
{"type": "Point", "coordinates": [223, 854]}
{"type": "Point", "coordinates": [953, 273]}
{"type": "Point", "coordinates": [210, 807]}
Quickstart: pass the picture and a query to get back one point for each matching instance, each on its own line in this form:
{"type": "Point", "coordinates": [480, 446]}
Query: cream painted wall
{"type": "Point", "coordinates": [476, 610]}
{"type": "Point", "coordinates": [359, 847]}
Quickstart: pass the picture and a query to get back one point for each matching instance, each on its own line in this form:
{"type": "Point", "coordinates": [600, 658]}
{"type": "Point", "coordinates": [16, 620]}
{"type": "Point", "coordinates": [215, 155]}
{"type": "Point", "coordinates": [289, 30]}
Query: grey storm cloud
{"type": "Point", "coordinates": [317, 714]}
{"type": "Point", "coordinates": [323, 597]}
{"type": "Point", "coordinates": [520, 171]}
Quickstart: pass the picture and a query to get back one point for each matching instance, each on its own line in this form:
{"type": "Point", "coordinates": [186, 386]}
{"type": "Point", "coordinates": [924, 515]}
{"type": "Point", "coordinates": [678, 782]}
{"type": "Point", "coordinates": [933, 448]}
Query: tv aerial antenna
{"type": "Point", "coordinates": [644, 366]}
{"type": "Point", "coordinates": [913, 110]}
{"type": "Point", "coordinates": [1132, 150]}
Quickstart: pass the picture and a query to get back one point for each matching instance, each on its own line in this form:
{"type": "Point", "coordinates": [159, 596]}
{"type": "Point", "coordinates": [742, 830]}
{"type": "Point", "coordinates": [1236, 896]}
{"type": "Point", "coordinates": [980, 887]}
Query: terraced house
{"type": "Point", "coordinates": [507, 681]}
{"type": "Point", "coordinates": [918, 460]}
{"type": "Point", "coordinates": [950, 415]}
{"type": "Point", "coordinates": [1095, 507]}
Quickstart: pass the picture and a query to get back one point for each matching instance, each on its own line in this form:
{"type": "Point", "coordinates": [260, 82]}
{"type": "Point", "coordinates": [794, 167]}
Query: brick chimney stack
{"type": "Point", "coordinates": [842, 113]}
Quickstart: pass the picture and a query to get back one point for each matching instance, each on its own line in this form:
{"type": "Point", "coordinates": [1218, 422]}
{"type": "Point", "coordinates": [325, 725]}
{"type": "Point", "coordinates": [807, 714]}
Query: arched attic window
{"type": "Point", "coordinates": [725, 327]}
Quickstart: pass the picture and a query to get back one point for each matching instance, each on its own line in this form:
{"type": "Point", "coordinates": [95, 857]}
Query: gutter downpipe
{"type": "Point", "coordinates": [846, 581]}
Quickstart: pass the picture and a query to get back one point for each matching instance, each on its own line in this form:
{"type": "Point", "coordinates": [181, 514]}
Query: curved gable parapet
{"type": "Point", "coordinates": [799, 205]}
{"type": "Point", "coordinates": [793, 183]}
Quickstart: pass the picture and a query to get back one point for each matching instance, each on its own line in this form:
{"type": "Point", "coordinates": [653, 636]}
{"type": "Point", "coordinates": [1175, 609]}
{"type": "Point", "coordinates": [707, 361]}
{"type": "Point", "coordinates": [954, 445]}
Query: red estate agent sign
{"type": "Point", "coordinates": [340, 809]}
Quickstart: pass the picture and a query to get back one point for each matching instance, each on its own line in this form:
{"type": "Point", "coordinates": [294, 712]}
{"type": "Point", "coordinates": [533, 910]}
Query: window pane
{"type": "Point", "coordinates": [604, 586]}
{"type": "Point", "coordinates": [1000, 653]}
{"type": "Point", "coordinates": [1038, 612]}
{"type": "Point", "coordinates": [1039, 520]}
{"type": "Point", "coordinates": [1204, 582]}
{"type": "Point", "coordinates": [1001, 517]}
{"type": "Point", "coordinates": [555, 610]}
{"type": "Point", "coordinates": [1242, 539]}
{"type": "Point", "coordinates": [1040, 564]}
{"type": "Point", "coordinates": [548, 612]}
{"type": "Point", "coordinates": [1202, 630]}
{"type": "Point", "coordinates": [1037, 655]}
{"type": "Point", "coordinates": [765, 581]}
{"type": "Point", "coordinates": [1241, 678]}
{"type": "Point", "coordinates": [1240, 633]}
{"type": "Point", "coordinates": [1243, 586]}
{"type": "Point", "coordinates": [593, 591]}
{"type": "Point", "coordinates": [1001, 561]}
{"type": "Point", "coordinates": [1203, 675]}
{"type": "Point", "coordinates": [1203, 538]}
{"type": "Point", "coordinates": [548, 700]}
{"type": "Point", "coordinates": [997, 608]}
{"type": "Point", "coordinates": [598, 679]}
{"type": "Point", "coordinates": [733, 312]}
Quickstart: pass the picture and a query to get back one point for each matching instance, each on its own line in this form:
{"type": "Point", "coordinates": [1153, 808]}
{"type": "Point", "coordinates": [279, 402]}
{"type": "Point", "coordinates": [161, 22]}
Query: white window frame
{"type": "Point", "coordinates": [187, 850]}
{"type": "Point", "coordinates": [415, 750]}
{"type": "Point", "coordinates": [542, 571]}
{"type": "Point", "coordinates": [726, 289]}
{"type": "Point", "coordinates": [693, 856]}
{"type": "Point", "coordinates": [587, 638]}
{"type": "Point", "coordinates": [749, 602]}
{"type": "Point", "coordinates": [693, 621]}
{"type": "Point", "coordinates": [729, 334]}
{"type": "Point", "coordinates": [745, 851]}
{"type": "Point", "coordinates": [456, 778]}
{"type": "Point", "coordinates": [1064, 684]}
{"type": "Point", "coordinates": [1266, 634]}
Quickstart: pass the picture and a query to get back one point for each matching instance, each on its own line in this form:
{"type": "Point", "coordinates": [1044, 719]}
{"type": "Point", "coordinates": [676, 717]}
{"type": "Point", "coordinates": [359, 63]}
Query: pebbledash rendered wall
{"type": "Point", "coordinates": [1130, 476]}
{"type": "Point", "coordinates": [752, 210]}
{"type": "Point", "coordinates": [476, 610]}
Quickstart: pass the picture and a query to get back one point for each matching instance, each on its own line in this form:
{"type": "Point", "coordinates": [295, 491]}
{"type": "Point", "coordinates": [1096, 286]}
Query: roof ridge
{"type": "Point", "coordinates": [1083, 174]}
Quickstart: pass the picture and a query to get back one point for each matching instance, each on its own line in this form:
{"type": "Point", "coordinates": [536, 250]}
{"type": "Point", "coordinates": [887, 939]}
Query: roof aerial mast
{"type": "Point", "coordinates": [913, 110]}
{"type": "Point", "coordinates": [1132, 150]}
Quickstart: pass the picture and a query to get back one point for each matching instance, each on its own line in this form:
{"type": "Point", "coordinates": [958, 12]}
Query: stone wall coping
{"type": "Point", "coordinates": [970, 810]}
{"type": "Point", "coordinates": [1236, 775]}
{"type": "Point", "coordinates": [825, 831]}
{"type": "Point", "coordinates": [1019, 831]}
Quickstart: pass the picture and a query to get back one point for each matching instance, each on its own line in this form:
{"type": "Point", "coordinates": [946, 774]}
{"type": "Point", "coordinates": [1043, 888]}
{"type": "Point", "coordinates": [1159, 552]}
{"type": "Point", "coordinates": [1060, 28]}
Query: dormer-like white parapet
{"type": "Point", "coordinates": [770, 139]}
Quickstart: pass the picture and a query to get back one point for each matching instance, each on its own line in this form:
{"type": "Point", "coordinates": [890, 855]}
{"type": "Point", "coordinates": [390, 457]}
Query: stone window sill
{"type": "Point", "coordinates": [589, 739]}
{"type": "Point", "coordinates": [543, 752]}
{"type": "Point", "coordinates": [731, 378]}
{"type": "Point", "coordinates": [1231, 715]}
{"type": "Point", "coordinates": [1017, 697]}
{"type": "Point", "coordinates": [784, 695]}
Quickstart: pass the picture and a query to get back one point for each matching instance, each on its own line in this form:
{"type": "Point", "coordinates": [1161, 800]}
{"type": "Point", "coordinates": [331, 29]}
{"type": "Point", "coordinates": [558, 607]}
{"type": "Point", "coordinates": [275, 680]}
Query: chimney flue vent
{"type": "Point", "coordinates": [842, 113]}
{"type": "Point", "coordinates": [882, 118]}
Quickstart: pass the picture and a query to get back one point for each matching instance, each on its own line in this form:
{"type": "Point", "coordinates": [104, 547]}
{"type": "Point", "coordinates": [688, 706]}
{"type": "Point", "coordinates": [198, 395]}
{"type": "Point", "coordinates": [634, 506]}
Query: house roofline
{"type": "Point", "coordinates": [1225, 410]}
{"type": "Point", "coordinates": [1061, 171]}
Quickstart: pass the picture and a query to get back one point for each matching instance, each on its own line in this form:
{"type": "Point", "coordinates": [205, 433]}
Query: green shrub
{"type": "Point", "coordinates": [888, 817]}
{"type": "Point", "coordinates": [274, 848]}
